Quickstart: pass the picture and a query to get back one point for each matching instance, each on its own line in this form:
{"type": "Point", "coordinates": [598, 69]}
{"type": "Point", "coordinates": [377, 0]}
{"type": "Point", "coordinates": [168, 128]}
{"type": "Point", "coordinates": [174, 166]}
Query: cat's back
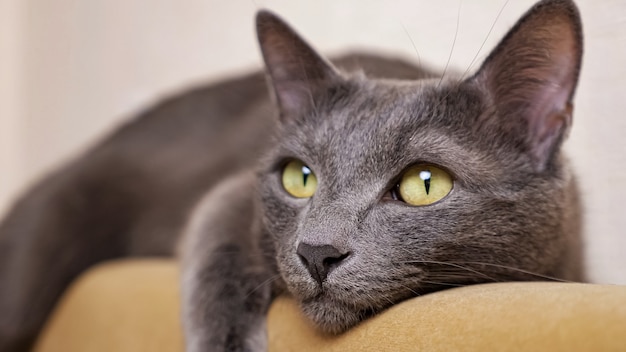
{"type": "Point", "coordinates": [229, 120]}
{"type": "Point", "coordinates": [187, 142]}
{"type": "Point", "coordinates": [143, 179]}
{"type": "Point", "coordinates": [158, 164]}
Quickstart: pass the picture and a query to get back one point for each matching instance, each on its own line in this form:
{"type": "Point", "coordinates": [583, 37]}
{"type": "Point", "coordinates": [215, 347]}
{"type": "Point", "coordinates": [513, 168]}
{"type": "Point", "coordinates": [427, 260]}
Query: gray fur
{"type": "Point", "coordinates": [226, 276]}
{"type": "Point", "coordinates": [513, 214]}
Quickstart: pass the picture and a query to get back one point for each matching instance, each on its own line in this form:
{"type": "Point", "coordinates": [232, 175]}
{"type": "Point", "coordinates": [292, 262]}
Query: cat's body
{"type": "Point", "coordinates": [141, 183]}
{"type": "Point", "coordinates": [351, 249]}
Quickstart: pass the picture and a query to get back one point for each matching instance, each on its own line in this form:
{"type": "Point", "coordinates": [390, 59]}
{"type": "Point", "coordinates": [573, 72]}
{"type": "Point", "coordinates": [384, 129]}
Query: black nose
{"type": "Point", "coordinates": [320, 260]}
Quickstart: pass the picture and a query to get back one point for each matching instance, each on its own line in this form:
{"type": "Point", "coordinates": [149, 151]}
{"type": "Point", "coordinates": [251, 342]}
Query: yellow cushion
{"type": "Point", "coordinates": [118, 306]}
{"type": "Point", "coordinates": [133, 306]}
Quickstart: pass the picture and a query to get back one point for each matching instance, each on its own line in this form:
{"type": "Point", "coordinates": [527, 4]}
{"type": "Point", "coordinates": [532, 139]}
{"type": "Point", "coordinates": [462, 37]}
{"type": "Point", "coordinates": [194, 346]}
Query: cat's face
{"type": "Point", "coordinates": [507, 216]}
{"type": "Point", "coordinates": [498, 212]}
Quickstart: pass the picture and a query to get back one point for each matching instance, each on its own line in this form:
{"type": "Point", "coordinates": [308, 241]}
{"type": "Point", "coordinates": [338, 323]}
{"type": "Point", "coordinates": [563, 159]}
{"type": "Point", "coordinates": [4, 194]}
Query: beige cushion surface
{"type": "Point", "coordinates": [133, 305]}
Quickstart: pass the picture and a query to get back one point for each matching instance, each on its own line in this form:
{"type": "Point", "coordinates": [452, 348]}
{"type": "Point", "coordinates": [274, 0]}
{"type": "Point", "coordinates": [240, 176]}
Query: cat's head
{"type": "Point", "coordinates": [380, 190]}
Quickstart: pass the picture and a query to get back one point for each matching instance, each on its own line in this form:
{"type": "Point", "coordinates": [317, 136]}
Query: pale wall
{"type": "Point", "coordinates": [71, 70]}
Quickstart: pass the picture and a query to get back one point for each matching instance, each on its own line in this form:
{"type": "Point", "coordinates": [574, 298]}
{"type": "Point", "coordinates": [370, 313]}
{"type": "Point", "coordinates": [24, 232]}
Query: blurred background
{"type": "Point", "coordinates": [70, 71]}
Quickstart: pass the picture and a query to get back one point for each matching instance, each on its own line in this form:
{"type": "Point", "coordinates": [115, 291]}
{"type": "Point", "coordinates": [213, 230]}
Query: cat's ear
{"type": "Point", "coordinates": [532, 74]}
{"type": "Point", "coordinates": [297, 73]}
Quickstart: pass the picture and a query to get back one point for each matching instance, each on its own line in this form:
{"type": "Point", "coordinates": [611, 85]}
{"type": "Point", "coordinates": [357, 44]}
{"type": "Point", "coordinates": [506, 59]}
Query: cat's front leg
{"type": "Point", "coordinates": [226, 282]}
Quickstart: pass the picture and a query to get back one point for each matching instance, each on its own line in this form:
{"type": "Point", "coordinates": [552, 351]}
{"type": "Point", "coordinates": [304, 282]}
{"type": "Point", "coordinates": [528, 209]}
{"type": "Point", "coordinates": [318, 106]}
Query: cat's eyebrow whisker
{"type": "Point", "coordinates": [456, 33]}
{"type": "Point", "coordinates": [419, 59]}
{"type": "Point", "coordinates": [264, 283]}
{"type": "Point", "coordinates": [469, 67]}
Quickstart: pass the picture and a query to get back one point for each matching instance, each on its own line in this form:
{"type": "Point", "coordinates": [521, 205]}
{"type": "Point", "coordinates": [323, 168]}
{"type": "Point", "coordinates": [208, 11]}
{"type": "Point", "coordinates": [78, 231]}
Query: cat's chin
{"type": "Point", "coordinates": [333, 317]}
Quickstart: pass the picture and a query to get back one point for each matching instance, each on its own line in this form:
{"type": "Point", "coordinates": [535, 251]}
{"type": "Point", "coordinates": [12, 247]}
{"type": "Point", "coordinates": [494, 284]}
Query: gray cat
{"type": "Point", "coordinates": [374, 186]}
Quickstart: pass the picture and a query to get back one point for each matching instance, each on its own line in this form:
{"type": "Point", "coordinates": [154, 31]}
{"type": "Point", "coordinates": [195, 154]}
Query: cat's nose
{"type": "Point", "coordinates": [320, 260]}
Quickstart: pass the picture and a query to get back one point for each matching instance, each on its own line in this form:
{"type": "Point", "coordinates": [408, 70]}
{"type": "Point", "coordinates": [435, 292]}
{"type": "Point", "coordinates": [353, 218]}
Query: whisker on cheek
{"type": "Point", "coordinates": [264, 283]}
{"type": "Point", "coordinates": [459, 266]}
{"type": "Point", "coordinates": [501, 266]}
{"type": "Point", "coordinates": [412, 290]}
{"type": "Point", "coordinates": [442, 283]}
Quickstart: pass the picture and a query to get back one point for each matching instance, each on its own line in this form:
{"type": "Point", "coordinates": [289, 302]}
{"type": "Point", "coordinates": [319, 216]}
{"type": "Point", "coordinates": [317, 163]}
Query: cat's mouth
{"type": "Point", "coordinates": [346, 296]}
{"type": "Point", "coordinates": [334, 308]}
{"type": "Point", "coordinates": [334, 317]}
{"type": "Point", "coordinates": [330, 307]}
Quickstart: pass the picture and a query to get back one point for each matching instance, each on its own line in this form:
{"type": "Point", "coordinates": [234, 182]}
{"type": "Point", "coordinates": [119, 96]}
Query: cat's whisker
{"type": "Point", "coordinates": [456, 33]}
{"type": "Point", "coordinates": [406, 31]}
{"type": "Point", "coordinates": [469, 67]}
{"type": "Point", "coordinates": [410, 289]}
{"type": "Point", "coordinates": [462, 264]}
{"type": "Point", "coordinates": [227, 254]}
{"type": "Point", "coordinates": [441, 283]}
{"type": "Point", "coordinates": [465, 265]}
{"type": "Point", "coordinates": [551, 278]}
{"type": "Point", "coordinates": [388, 300]}
{"type": "Point", "coordinates": [264, 283]}
{"type": "Point", "coordinates": [448, 275]}
{"type": "Point", "coordinates": [238, 252]}
{"type": "Point", "coordinates": [452, 265]}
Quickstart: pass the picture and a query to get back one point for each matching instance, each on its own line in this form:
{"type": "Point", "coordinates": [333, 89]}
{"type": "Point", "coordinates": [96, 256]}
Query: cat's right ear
{"type": "Point", "coordinates": [532, 74]}
{"type": "Point", "coordinates": [297, 73]}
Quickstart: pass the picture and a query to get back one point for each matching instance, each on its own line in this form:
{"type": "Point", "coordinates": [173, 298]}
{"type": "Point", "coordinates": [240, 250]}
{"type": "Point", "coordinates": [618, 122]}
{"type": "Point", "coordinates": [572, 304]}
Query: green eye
{"type": "Point", "coordinates": [424, 184]}
{"type": "Point", "coordinates": [299, 180]}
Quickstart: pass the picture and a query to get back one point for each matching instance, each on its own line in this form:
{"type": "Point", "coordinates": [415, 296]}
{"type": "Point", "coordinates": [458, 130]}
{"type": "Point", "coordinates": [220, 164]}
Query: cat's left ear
{"type": "Point", "coordinates": [297, 73]}
{"type": "Point", "coordinates": [531, 76]}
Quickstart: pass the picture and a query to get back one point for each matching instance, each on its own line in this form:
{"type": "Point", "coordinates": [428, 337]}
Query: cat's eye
{"type": "Point", "coordinates": [299, 180]}
{"type": "Point", "coordinates": [423, 185]}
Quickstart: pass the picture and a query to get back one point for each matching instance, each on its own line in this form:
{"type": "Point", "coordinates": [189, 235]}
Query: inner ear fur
{"type": "Point", "coordinates": [531, 76]}
{"type": "Point", "coordinates": [296, 72]}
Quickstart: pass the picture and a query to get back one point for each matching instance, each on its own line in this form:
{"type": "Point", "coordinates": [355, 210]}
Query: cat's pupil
{"type": "Point", "coordinates": [306, 172]}
{"type": "Point", "coordinates": [426, 176]}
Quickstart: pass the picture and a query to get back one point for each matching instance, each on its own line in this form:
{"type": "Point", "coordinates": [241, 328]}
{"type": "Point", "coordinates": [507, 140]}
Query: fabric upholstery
{"type": "Point", "coordinates": [133, 306]}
